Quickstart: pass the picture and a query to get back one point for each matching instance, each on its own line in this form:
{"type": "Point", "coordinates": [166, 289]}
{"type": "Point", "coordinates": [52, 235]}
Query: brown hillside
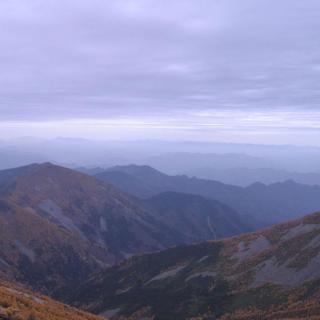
{"type": "Point", "coordinates": [270, 274]}
{"type": "Point", "coordinates": [17, 303]}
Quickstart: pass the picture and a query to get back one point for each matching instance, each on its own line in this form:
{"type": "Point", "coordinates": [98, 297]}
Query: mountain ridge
{"type": "Point", "coordinates": [50, 215]}
{"type": "Point", "coordinates": [252, 276]}
{"type": "Point", "coordinates": [268, 204]}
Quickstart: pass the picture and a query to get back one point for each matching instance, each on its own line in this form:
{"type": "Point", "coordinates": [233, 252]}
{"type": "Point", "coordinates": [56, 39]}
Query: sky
{"type": "Point", "coordinates": [204, 70]}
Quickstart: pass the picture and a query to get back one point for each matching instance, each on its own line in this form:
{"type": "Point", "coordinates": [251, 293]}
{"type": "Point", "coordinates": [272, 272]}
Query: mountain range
{"type": "Point", "coordinates": [174, 253]}
{"type": "Point", "coordinates": [186, 162]}
{"type": "Point", "coordinates": [242, 176]}
{"type": "Point", "coordinates": [267, 204]}
{"type": "Point", "coordinates": [242, 168]}
{"type": "Point", "coordinates": [58, 226]}
{"type": "Point", "coordinates": [269, 274]}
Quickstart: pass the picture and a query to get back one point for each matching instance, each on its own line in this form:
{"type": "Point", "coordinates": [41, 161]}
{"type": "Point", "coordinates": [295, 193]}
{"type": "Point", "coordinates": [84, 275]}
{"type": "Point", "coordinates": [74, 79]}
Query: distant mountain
{"type": "Point", "coordinates": [172, 157]}
{"type": "Point", "coordinates": [268, 203]}
{"type": "Point", "coordinates": [186, 162]}
{"type": "Point", "coordinates": [58, 225]}
{"type": "Point", "coordinates": [18, 303]}
{"type": "Point", "coordinates": [140, 181]}
{"type": "Point", "coordinates": [129, 183]}
{"type": "Point", "coordinates": [270, 274]}
{"type": "Point", "coordinates": [176, 158]}
{"type": "Point", "coordinates": [245, 176]}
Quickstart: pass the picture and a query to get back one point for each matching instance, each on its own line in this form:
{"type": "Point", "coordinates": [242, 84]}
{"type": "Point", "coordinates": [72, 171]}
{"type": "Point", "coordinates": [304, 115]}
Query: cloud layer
{"type": "Point", "coordinates": [189, 65]}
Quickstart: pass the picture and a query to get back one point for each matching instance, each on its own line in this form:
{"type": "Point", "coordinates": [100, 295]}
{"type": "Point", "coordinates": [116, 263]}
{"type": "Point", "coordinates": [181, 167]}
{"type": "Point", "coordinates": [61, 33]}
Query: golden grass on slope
{"type": "Point", "coordinates": [309, 309]}
{"type": "Point", "coordinates": [19, 304]}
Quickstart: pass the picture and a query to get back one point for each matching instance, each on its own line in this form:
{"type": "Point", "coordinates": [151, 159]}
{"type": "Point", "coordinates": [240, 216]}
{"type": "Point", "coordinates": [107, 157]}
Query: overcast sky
{"type": "Point", "coordinates": [229, 70]}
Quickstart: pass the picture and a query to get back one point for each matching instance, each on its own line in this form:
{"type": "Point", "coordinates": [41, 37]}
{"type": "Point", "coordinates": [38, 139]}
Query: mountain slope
{"type": "Point", "coordinates": [129, 183]}
{"type": "Point", "coordinates": [17, 303]}
{"type": "Point", "coordinates": [84, 205]}
{"type": "Point", "coordinates": [268, 203]}
{"type": "Point", "coordinates": [197, 218]}
{"type": "Point", "coordinates": [40, 253]}
{"type": "Point", "coordinates": [247, 277]}
{"type": "Point", "coordinates": [58, 225]}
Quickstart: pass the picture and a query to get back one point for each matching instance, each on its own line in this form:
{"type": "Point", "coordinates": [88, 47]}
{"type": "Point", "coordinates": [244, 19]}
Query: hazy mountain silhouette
{"type": "Point", "coordinates": [268, 203]}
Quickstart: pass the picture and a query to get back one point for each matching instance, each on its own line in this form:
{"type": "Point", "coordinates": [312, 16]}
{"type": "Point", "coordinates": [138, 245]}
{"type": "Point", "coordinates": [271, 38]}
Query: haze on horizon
{"type": "Point", "coordinates": [204, 70]}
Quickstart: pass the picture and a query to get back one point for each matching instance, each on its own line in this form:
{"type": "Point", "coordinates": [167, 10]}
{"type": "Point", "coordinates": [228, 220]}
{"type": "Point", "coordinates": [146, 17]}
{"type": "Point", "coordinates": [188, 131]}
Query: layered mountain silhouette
{"type": "Point", "coordinates": [270, 274]}
{"type": "Point", "coordinates": [58, 226]}
{"type": "Point", "coordinates": [187, 162]}
{"type": "Point", "coordinates": [243, 176]}
{"type": "Point", "coordinates": [67, 234]}
{"type": "Point", "coordinates": [267, 203]}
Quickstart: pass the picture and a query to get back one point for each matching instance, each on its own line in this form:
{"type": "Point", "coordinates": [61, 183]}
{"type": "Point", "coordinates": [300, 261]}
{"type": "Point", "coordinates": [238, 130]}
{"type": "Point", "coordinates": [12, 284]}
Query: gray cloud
{"type": "Point", "coordinates": [139, 59]}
